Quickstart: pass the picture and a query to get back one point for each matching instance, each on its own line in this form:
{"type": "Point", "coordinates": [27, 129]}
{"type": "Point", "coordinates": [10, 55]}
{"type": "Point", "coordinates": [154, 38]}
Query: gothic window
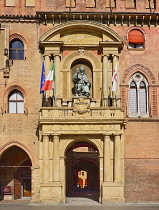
{"type": "Point", "coordinates": [110, 3]}
{"type": "Point", "coordinates": [16, 50]}
{"type": "Point", "coordinates": [16, 102]}
{"type": "Point", "coordinates": [138, 96]}
{"type": "Point", "coordinates": [136, 39]}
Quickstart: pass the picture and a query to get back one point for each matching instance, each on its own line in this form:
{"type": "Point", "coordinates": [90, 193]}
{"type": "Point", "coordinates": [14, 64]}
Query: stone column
{"type": "Point", "coordinates": [117, 158]}
{"type": "Point", "coordinates": [57, 72]}
{"type": "Point", "coordinates": [105, 85]}
{"type": "Point", "coordinates": [51, 158]}
{"type": "Point", "coordinates": [107, 164]}
{"type": "Point", "coordinates": [69, 84]}
{"type": "Point", "coordinates": [47, 64]}
{"type": "Point", "coordinates": [41, 158]}
{"type": "Point", "coordinates": [45, 165]}
{"type": "Point", "coordinates": [56, 159]}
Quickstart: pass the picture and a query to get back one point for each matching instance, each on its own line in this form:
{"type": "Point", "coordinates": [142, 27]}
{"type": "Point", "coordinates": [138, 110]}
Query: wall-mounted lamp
{"type": "Point", "coordinates": [9, 63]}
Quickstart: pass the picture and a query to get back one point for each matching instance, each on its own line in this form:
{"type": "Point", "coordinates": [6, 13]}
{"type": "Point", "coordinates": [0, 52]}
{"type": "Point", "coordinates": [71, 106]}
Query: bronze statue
{"type": "Point", "coordinates": [81, 83]}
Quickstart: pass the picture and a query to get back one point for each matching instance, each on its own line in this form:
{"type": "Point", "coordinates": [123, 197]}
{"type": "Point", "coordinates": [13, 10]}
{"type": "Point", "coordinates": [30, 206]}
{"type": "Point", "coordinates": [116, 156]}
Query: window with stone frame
{"type": "Point", "coordinates": [138, 96]}
{"type": "Point", "coordinates": [30, 3]}
{"type": "Point", "coordinates": [9, 3]}
{"type": "Point", "coordinates": [16, 49]}
{"type": "Point", "coordinates": [70, 3]}
{"type": "Point", "coordinates": [150, 4]}
{"type": "Point", "coordinates": [130, 4]}
{"type": "Point", "coordinates": [90, 3]}
{"type": "Point", "coordinates": [110, 3]}
{"type": "Point", "coordinates": [16, 102]}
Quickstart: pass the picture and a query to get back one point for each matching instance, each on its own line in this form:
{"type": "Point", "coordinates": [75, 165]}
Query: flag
{"type": "Point", "coordinates": [115, 78]}
{"type": "Point", "coordinates": [42, 78]}
{"type": "Point", "coordinates": [48, 85]}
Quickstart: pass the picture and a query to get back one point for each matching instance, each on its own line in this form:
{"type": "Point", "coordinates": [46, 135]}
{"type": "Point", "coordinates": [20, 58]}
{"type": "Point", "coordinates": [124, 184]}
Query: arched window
{"type": "Point", "coordinates": [136, 39]}
{"type": "Point", "coordinates": [16, 102]}
{"type": "Point", "coordinates": [16, 50]}
{"type": "Point", "coordinates": [138, 96]}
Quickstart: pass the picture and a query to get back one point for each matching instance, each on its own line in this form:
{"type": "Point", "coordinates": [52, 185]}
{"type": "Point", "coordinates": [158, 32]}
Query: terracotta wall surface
{"type": "Point", "coordinates": [81, 5]}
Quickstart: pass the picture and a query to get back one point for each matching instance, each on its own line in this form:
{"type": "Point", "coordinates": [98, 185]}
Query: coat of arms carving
{"type": "Point", "coordinates": [81, 107]}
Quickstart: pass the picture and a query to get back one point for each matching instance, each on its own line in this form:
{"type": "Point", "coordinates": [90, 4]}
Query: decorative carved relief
{"type": "Point", "coordinates": [141, 68]}
{"type": "Point", "coordinates": [81, 52]}
{"type": "Point", "coordinates": [81, 107]}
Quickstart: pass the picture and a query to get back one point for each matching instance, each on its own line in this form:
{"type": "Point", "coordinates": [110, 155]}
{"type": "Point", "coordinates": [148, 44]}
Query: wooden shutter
{"type": "Point", "coordinates": [142, 98]}
{"type": "Point", "coordinates": [133, 100]}
{"type": "Point", "coordinates": [130, 3]}
{"type": "Point", "coordinates": [70, 3]}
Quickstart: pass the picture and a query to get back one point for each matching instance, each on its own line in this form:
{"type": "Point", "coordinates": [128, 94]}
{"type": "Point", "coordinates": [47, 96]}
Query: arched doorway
{"type": "Point", "coordinates": [15, 174]}
{"type": "Point", "coordinates": [82, 170]}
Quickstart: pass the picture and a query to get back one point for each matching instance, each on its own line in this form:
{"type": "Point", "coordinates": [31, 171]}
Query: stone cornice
{"type": "Point", "coordinates": [108, 18]}
{"type": "Point", "coordinates": [114, 18]}
{"type": "Point", "coordinates": [19, 19]}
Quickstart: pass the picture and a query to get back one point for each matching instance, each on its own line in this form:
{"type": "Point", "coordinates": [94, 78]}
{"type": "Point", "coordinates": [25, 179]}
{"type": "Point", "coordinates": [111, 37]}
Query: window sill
{"type": "Point", "coordinates": [136, 49]}
{"type": "Point", "coordinates": [138, 115]}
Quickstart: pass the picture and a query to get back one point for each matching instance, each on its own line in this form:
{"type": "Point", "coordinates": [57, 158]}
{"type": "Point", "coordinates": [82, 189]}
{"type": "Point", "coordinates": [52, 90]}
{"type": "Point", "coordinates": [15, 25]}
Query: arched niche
{"type": "Point", "coordinates": [93, 66]}
{"type": "Point", "coordinates": [88, 71]}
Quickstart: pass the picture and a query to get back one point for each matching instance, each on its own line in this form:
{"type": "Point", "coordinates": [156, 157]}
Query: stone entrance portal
{"type": "Point", "coordinates": [82, 171]}
{"type": "Point", "coordinates": [90, 114]}
{"type": "Point", "coordinates": [61, 130]}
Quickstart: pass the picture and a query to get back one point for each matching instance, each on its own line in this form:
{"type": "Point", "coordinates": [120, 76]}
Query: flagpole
{"type": "Point", "coordinates": [117, 63]}
{"type": "Point", "coordinates": [54, 88]}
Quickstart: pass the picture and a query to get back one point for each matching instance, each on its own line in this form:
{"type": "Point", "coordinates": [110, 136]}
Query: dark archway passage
{"type": "Point", "coordinates": [82, 171]}
{"type": "Point", "coordinates": [15, 174]}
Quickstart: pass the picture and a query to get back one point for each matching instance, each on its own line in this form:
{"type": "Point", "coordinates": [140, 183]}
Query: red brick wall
{"type": "Point", "coordinates": [59, 5]}
{"type": "Point", "coordinates": [142, 162]}
{"type": "Point", "coordinates": [142, 180]}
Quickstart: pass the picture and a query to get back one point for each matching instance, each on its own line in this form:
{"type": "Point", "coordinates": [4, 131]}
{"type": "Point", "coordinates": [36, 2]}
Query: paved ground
{"type": "Point", "coordinates": [74, 204]}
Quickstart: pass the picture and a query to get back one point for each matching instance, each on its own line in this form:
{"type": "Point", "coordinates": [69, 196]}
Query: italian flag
{"type": "Point", "coordinates": [48, 85]}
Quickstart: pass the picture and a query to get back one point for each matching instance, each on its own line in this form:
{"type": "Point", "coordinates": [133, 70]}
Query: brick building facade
{"type": "Point", "coordinates": [40, 133]}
